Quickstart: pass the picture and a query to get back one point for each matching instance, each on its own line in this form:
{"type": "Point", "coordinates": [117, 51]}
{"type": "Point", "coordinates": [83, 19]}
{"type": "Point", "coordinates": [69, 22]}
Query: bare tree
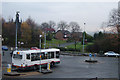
{"type": "Point", "coordinates": [44, 25]}
{"type": "Point", "coordinates": [62, 25]}
{"type": "Point", "coordinates": [75, 32]}
{"type": "Point", "coordinates": [114, 20]}
{"type": "Point", "coordinates": [32, 25]}
{"type": "Point", "coordinates": [74, 26]}
{"type": "Point", "coordinates": [30, 22]}
{"type": "Point", "coordinates": [51, 24]}
{"type": "Point", "coordinates": [114, 23]}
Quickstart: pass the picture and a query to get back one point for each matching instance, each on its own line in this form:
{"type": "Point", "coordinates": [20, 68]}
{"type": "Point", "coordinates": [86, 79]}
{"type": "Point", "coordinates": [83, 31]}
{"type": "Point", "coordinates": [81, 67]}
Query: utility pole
{"type": "Point", "coordinates": [118, 35]}
{"type": "Point", "coordinates": [119, 26]}
{"type": "Point", "coordinates": [84, 37]}
{"type": "Point", "coordinates": [17, 20]}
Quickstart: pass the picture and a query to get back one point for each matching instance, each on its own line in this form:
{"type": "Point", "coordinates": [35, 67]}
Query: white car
{"type": "Point", "coordinates": [111, 53]}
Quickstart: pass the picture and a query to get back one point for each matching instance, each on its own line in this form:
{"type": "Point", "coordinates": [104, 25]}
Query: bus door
{"type": "Point", "coordinates": [28, 59]}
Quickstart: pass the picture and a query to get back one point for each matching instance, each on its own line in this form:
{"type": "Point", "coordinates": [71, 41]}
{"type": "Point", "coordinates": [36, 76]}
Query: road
{"type": "Point", "coordinates": [62, 45]}
{"type": "Point", "coordinates": [66, 44]}
{"type": "Point", "coordinates": [75, 67]}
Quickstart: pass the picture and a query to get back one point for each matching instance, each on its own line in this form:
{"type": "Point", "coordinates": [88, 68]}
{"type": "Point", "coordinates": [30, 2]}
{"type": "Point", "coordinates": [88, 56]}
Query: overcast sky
{"type": "Point", "coordinates": [91, 13]}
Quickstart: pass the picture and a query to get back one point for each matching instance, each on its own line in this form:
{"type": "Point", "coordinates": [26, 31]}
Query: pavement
{"type": "Point", "coordinates": [73, 67]}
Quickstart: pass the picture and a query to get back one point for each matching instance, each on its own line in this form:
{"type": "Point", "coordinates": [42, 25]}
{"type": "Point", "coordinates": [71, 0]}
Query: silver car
{"type": "Point", "coordinates": [111, 53]}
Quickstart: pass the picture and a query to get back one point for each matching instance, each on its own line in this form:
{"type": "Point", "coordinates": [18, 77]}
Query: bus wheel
{"type": "Point", "coordinates": [35, 67]}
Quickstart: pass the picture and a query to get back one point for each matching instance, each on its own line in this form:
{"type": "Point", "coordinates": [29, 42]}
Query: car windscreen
{"type": "Point", "coordinates": [17, 56]}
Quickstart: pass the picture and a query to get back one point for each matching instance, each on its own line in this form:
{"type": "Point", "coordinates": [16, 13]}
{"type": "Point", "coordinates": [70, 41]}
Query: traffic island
{"type": "Point", "coordinates": [12, 74]}
{"type": "Point", "coordinates": [46, 71]}
{"type": "Point", "coordinates": [91, 61]}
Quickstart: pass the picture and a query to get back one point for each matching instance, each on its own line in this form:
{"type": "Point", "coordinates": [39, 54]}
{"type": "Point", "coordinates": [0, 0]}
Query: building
{"type": "Point", "coordinates": [49, 30]}
{"type": "Point", "coordinates": [62, 35]}
{"type": "Point", "coordinates": [77, 36]}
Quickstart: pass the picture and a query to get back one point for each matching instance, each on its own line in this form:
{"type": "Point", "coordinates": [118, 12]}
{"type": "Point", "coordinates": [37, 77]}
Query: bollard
{"type": "Point", "coordinates": [48, 66]}
{"type": "Point", "coordinates": [9, 68]}
{"type": "Point", "coordinates": [9, 71]}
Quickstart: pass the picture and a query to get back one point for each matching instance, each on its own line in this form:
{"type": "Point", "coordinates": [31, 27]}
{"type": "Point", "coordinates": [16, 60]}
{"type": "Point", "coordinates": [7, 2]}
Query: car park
{"type": "Point", "coordinates": [111, 53]}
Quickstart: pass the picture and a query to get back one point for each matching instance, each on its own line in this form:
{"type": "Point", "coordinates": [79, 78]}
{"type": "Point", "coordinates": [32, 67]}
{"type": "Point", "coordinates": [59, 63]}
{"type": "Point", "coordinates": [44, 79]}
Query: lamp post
{"type": "Point", "coordinates": [0, 51]}
{"type": "Point", "coordinates": [45, 41]}
{"type": "Point", "coordinates": [19, 43]}
{"type": "Point", "coordinates": [40, 70]}
{"type": "Point", "coordinates": [84, 37]}
{"type": "Point", "coordinates": [0, 43]}
{"type": "Point", "coordinates": [40, 41]}
{"type": "Point", "coordinates": [17, 20]}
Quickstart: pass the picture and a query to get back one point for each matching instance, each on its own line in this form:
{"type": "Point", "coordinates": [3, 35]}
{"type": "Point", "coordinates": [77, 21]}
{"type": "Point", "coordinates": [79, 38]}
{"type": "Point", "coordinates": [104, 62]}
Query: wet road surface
{"type": "Point", "coordinates": [75, 67]}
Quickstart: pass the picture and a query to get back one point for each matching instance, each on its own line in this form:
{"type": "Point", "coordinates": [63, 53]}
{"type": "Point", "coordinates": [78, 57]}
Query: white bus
{"type": "Point", "coordinates": [30, 59]}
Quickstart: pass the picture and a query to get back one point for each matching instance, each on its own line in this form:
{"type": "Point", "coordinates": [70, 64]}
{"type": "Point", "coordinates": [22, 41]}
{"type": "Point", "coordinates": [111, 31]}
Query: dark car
{"type": "Point", "coordinates": [34, 48]}
{"type": "Point", "coordinates": [5, 48]}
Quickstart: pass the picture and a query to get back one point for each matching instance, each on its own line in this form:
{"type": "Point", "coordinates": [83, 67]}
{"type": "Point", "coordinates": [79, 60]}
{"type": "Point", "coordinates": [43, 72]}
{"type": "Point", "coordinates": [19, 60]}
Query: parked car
{"type": "Point", "coordinates": [111, 53]}
{"type": "Point", "coordinates": [4, 48]}
{"type": "Point", "coordinates": [34, 48]}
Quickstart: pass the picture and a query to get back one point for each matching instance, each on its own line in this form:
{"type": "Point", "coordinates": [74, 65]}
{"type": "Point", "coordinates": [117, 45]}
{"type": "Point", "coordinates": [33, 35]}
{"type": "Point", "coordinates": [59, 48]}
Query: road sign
{"type": "Point", "coordinates": [90, 55]}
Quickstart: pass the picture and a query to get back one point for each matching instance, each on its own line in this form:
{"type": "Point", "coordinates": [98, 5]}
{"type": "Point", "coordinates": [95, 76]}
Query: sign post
{"type": "Point", "coordinates": [40, 70]}
{"type": "Point", "coordinates": [90, 56]}
{"type": "Point", "coordinates": [95, 56]}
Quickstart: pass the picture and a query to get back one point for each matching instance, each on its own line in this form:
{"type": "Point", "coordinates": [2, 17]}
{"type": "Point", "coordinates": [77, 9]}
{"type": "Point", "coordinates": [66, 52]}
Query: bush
{"type": "Point", "coordinates": [90, 48]}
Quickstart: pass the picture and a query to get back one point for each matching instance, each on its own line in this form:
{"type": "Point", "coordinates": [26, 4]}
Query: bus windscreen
{"type": "Point", "coordinates": [17, 56]}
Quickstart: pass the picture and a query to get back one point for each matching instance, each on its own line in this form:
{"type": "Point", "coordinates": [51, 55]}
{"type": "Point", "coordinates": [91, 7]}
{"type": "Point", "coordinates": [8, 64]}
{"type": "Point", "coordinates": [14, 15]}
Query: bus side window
{"type": "Point", "coordinates": [43, 55]}
{"type": "Point", "coordinates": [52, 54]}
{"type": "Point", "coordinates": [32, 56]}
{"type": "Point", "coordinates": [57, 54]}
{"type": "Point", "coordinates": [27, 56]}
{"type": "Point", "coordinates": [49, 55]}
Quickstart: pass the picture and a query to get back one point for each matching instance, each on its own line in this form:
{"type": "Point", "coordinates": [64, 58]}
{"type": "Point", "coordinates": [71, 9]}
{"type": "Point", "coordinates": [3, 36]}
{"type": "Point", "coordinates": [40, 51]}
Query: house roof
{"type": "Point", "coordinates": [64, 31]}
{"type": "Point", "coordinates": [49, 29]}
{"type": "Point", "coordinates": [77, 33]}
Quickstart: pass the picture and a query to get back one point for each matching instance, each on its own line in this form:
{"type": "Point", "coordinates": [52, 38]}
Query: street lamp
{"type": "Point", "coordinates": [0, 50]}
{"type": "Point", "coordinates": [83, 37]}
{"type": "Point", "coordinates": [0, 43]}
{"type": "Point", "coordinates": [45, 40]}
{"type": "Point", "coordinates": [40, 41]}
{"type": "Point", "coordinates": [17, 21]}
{"type": "Point", "coordinates": [19, 43]}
